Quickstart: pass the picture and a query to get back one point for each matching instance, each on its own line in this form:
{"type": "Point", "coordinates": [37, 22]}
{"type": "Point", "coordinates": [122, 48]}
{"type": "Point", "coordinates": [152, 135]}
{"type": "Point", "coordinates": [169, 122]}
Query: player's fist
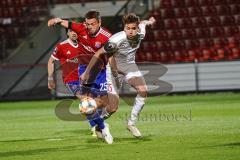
{"type": "Point", "coordinates": [51, 84]}
{"type": "Point", "coordinates": [54, 21]}
{"type": "Point", "coordinates": [152, 20]}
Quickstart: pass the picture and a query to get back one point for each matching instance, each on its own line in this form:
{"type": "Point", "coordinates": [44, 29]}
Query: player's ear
{"type": "Point", "coordinates": [100, 22]}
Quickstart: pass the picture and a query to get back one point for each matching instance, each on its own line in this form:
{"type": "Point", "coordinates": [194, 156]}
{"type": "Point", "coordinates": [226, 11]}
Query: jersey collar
{"type": "Point", "coordinates": [71, 43]}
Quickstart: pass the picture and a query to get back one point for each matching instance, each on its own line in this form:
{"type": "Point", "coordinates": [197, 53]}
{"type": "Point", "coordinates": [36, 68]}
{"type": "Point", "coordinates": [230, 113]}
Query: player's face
{"type": "Point", "coordinates": [93, 25]}
{"type": "Point", "coordinates": [131, 30]}
{"type": "Point", "coordinates": [72, 35]}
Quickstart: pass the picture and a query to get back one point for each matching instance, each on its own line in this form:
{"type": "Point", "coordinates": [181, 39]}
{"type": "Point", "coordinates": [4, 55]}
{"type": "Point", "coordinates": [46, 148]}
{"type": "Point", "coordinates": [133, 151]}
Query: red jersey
{"type": "Point", "coordinates": [89, 44]}
{"type": "Point", "coordinates": [66, 52]}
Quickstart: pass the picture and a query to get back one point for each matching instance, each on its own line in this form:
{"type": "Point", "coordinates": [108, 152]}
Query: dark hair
{"type": "Point", "coordinates": [93, 14]}
{"type": "Point", "coordinates": [130, 18]}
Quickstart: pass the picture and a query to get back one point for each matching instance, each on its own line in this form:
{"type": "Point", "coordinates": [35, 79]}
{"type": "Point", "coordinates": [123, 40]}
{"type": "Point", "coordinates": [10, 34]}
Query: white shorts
{"type": "Point", "coordinates": [112, 89]}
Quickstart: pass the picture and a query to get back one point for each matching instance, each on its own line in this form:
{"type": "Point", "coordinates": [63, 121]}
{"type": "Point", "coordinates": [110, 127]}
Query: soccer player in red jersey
{"type": "Point", "coordinates": [91, 37]}
{"type": "Point", "coordinates": [66, 53]}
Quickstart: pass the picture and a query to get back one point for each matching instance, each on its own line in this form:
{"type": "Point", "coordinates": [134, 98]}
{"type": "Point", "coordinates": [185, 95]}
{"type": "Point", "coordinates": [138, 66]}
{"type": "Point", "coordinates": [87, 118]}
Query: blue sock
{"type": "Point", "coordinates": [92, 123]}
{"type": "Point", "coordinates": [100, 122]}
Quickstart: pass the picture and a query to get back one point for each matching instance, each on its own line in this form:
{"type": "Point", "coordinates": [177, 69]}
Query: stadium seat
{"type": "Point", "coordinates": [191, 3]}
{"type": "Point", "coordinates": [228, 20]}
{"type": "Point", "coordinates": [161, 35]}
{"type": "Point", "coordinates": [191, 56]}
{"type": "Point", "coordinates": [182, 12]}
{"type": "Point", "coordinates": [236, 9]}
{"type": "Point", "coordinates": [224, 10]}
{"type": "Point", "coordinates": [171, 23]}
{"type": "Point", "coordinates": [219, 2]}
{"type": "Point", "coordinates": [178, 45]}
{"type": "Point", "coordinates": [217, 32]}
{"type": "Point", "coordinates": [200, 22]}
{"type": "Point", "coordinates": [178, 3]}
{"type": "Point", "coordinates": [189, 33]}
{"type": "Point", "coordinates": [186, 23]}
{"type": "Point", "coordinates": [196, 12]}
{"type": "Point", "coordinates": [176, 34]}
{"type": "Point", "coordinates": [214, 21]}
{"type": "Point", "coordinates": [165, 4]}
{"type": "Point", "coordinates": [209, 11]}
{"type": "Point", "coordinates": [204, 33]}
{"type": "Point", "coordinates": [206, 2]}
{"type": "Point", "coordinates": [168, 13]}
{"type": "Point", "coordinates": [232, 30]}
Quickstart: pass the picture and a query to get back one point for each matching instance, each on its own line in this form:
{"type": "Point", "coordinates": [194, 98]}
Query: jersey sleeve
{"type": "Point", "coordinates": [56, 54]}
{"type": "Point", "coordinates": [142, 32]}
{"type": "Point", "coordinates": [112, 45]}
{"type": "Point", "coordinates": [77, 27]}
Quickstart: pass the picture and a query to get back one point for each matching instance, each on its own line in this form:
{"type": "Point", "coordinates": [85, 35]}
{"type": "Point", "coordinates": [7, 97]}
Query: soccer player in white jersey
{"type": "Point", "coordinates": [123, 46]}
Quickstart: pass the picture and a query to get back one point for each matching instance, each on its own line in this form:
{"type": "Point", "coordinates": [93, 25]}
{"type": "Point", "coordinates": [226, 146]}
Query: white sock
{"type": "Point", "coordinates": [137, 107]}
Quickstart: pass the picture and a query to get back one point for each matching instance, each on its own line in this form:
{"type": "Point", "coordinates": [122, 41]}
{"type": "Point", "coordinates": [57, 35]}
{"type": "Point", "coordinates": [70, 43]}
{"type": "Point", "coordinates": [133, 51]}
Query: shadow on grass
{"type": "Point", "coordinates": [47, 150]}
{"type": "Point", "coordinates": [32, 140]}
{"type": "Point", "coordinates": [123, 140]}
{"type": "Point", "coordinates": [234, 144]}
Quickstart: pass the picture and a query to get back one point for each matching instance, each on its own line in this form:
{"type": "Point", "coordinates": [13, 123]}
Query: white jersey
{"type": "Point", "coordinates": [126, 49]}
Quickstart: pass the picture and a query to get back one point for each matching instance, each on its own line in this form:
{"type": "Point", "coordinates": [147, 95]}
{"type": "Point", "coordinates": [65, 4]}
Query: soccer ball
{"type": "Point", "coordinates": [88, 105]}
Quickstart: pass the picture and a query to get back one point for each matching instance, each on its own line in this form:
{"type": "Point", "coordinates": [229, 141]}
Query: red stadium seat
{"type": "Point", "coordinates": [182, 12]}
{"type": "Point", "coordinates": [224, 10]}
{"type": "Point", "coordinates": [228, 20]}
{"type": "Point", "coordinates": [219, 2]}
{"type": "Point", "coordinates": [206, 55]}
{"type": "Point", "coordinates": [209, 11]}
{"type": "Point", "coordinates": [192, 3]}
{"type": "Point", "coordinates": [191, 56]}
{"type": "Point", "coordinates": [168, 13]}
{"type": "Point", "coordinates": [165, 57]}
{"type": "Point", "coordinates": [155, 13]}
{"type": "Point", "coordinates": [214, 21]}
{"type": "Point", "coordinates": [178, 45]}
{"type": "Point", "coordinates": [171, 23]}
{"type": "Point", "coordinates": [176, 34]}
{"type": "Point", "coordinates": [206, 2]}
{"type": "Point", "coordinates": [178, 56]}
{"type": "Point", "coordinates": [165, 46]}
{"type": "Point", "coordinates": [235, 53]}
{"type": "Point", "coordinates": [161, 35]}
{"type": "Point", "coordinates": [189, 33]}
{"type": "Point", "coordinates": [236, 9]}
{"type": "Point", "coordinates": [196, 12]}
{"type": "Point", "coordinates": [178, 3]}
{"type": "Point", "coordinates": [204, 33]}
{"type": "Point", "coordinates": [200, 22]}
{"type": "Point", "coordinates": [165, 4]}
{"type": "Point", "coordinates": [186, 23]}
{"type": "Point", "coordinates": [232, 30]}
{"type": "Point", "coordinates": [218, 32]}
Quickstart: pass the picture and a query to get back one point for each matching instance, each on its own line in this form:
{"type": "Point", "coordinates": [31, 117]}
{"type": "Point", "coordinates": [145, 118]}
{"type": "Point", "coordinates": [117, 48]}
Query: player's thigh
{"type": "Point", "coordinates": [139, 84]}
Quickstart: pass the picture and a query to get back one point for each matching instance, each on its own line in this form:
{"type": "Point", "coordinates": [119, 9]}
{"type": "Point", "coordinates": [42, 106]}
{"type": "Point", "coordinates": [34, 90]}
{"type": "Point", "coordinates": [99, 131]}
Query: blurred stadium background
{"type": "Point", "coordinates": [197, 40]}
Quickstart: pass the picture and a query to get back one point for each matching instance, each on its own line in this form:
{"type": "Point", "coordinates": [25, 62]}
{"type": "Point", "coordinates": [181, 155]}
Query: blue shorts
{"type": "Point", "coordinates": [73, 87]}
{"type": "Point", "coordinates": [99, 87]}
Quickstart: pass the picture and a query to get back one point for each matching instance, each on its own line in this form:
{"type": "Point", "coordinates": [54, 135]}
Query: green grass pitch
{"type": "Point", "coordinates": [182, 127]}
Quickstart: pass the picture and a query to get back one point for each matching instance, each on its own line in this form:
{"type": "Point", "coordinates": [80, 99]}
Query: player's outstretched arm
{"type": "Point", "coordinates": [51, 82]}
{"type": "Point", "coordinates": [150, 21]}
{"type": "Point", "coordinates": [54, 21]}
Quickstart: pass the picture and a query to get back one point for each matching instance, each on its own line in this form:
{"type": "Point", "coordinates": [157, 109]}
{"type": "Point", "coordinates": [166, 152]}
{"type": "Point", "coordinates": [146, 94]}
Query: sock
{"type": "Point", "coordinates": [92, 123]}
{"type": "Point", "coordinates": [105, 115]}
{"type": "Point", "coordinates": [137, 107]}
{"type": "Point", "coordinates": [97, 120]}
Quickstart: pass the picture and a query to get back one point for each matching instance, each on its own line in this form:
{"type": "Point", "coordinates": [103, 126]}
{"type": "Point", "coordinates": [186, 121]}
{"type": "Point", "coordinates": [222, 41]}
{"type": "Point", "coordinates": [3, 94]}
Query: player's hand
{"type": "Point", "coordinates": [54, 21]}
{"type": "Point", "coordinates": [51, 84]}
{"type": "Point", "coordinates": [152, 20]}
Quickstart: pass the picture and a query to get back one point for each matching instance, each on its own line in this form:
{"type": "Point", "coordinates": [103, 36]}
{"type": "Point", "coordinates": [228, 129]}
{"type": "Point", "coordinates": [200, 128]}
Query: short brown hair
{"type": "Point", "coordinates": [93, 14]}
{"type": "Point", "coordinates": [130, 18]}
